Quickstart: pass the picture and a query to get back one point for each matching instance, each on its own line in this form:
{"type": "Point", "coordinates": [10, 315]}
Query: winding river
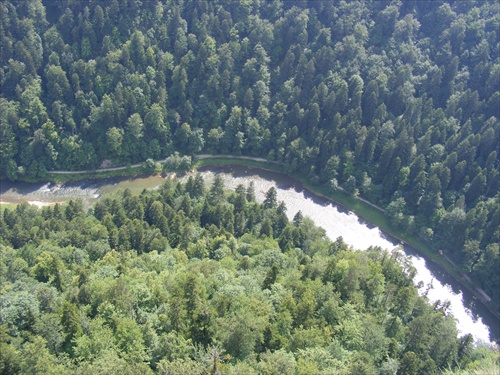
{"type": "Point", "coordinates": [471, 316]}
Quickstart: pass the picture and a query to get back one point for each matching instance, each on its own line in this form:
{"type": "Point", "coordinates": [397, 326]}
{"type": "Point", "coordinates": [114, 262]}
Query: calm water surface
{"type": "Point", "coordinates": [471, 316]}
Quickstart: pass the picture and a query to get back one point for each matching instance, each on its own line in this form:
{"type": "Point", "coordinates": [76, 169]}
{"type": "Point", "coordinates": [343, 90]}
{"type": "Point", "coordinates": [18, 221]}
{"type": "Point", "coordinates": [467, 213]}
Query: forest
{"type": "Point", "coordinates": [395, 101]}
{"type": "Point", "coordinates": [194, 279]}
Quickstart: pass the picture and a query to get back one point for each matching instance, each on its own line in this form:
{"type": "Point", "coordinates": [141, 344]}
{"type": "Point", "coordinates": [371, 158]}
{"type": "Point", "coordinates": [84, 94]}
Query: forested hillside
{"type": "Point", "coordinates": [397, 101]}
{"type": "Point", "coordinates": [195, 280]}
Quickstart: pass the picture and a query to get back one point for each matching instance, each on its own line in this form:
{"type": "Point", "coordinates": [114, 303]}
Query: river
{"type": "Point", "coordinates": [471, 316]}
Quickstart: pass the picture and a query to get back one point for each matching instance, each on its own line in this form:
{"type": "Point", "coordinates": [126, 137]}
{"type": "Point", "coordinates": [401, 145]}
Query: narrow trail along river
{"type": "Point", "coordinates": [472, 317]}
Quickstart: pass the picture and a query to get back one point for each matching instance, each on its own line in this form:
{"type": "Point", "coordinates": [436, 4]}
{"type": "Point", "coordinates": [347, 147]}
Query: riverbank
{"type": "Point", "coordinates": [373, 215]}
{"type": "Point", "coordinates": [368, 211]}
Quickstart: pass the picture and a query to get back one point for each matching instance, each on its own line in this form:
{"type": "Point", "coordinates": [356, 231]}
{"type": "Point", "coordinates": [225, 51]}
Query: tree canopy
{"type": "Point", "coordinates": [397, 101]}
{"type": "Point", "coordinates": [173, 281]}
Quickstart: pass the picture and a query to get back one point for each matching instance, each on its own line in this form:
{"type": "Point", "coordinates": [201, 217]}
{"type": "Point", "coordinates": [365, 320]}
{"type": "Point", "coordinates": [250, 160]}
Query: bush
{"type": "Point", "coordinates": [149, 166]}
{"type": "Point", "coordinates": [176, 162]}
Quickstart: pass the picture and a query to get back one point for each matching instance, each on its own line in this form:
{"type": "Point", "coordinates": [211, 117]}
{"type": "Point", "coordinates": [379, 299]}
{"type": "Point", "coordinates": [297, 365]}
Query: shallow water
{"type": "Point", "coordinates": [472, 317]}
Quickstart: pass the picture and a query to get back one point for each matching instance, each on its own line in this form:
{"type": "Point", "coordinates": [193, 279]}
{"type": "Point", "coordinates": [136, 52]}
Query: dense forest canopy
{"type": "Point", "coordinates": [191, 279]}
{"type": "Point", "coordinates": [398, 101]}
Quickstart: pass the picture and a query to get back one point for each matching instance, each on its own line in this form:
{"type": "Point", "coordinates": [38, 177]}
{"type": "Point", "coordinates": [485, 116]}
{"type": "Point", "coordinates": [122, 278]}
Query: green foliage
{"type": "Point", "coordinates": [36, 359]}
{"type": "Point", "coordinates": [376, 99]}
{"type": "Point", "coordinates": [10, 362]}
{"type": "Point", "coordinates": [398, 102]}
{"type": "Point", "coordinates": [213, 300]}
{"type": "Point", "coordinates": [149, 166]}
{"type": "Point", "coordinates": [176, 162]}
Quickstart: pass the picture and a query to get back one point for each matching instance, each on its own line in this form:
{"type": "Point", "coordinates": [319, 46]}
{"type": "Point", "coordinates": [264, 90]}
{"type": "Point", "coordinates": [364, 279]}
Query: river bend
{"type": "Point", "coordinates": [471, 316]}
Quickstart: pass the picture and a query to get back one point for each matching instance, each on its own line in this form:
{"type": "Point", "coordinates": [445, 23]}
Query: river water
{"type": "Point", "coordinates": [471, 316]}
